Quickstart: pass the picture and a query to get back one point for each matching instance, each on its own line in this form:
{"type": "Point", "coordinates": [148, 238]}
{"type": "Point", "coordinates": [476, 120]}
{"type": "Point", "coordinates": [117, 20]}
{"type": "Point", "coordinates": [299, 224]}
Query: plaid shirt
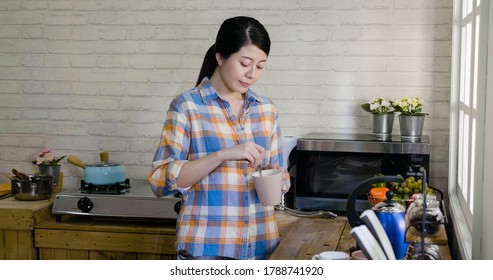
{"type": "Point", "coordinates": [221, 214]}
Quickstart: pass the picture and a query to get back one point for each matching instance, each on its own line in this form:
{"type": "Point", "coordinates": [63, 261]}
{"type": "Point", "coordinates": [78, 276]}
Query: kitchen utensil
{"type": "Point", "coordinates": [392, 215]}
{"type": "Point", "coordinates": [377, 250]}
{"type": "Point", "coordinates": [268, 186]}
{"type": "Point", "coordinates": [427, 219]}
{"type": "Point", "coordinates": [367, 242]}
{"type": "Point", "coordinates": [260, 170]}
{"type": "Point", "coordinates": [331, 255]}
{"type": "Point", "coordinates": [371, 221]}
{"type": "Point", "coordinates": [20, 175]}
{"type": "Point", "coordinates": [102, 173]}
{"type": "Point", "coordinates": [185, 255]}
{"type": "Point", "coordinates": [36, 187]}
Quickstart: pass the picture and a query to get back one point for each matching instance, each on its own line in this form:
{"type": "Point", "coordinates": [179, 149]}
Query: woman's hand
{"type": "Point", "coordinates": [249, 151]}
{"type": "Point", "coordinates": [286, 182]}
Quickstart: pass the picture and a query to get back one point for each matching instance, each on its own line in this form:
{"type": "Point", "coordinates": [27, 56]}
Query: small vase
{"type": "Point", "coordinates": [411, 127]}
{"type": "Point", "coordinates": [382, 125]}
{"type": "Point", "coordinates": [51, 170]}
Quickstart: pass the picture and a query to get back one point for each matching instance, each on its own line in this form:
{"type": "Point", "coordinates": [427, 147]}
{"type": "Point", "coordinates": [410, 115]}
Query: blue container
{"type": "Point", "coordinates": [392, 215]}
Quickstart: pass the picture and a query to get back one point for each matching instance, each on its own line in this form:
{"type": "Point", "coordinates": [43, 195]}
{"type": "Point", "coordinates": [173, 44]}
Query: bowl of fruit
{"type": "Point", "coordinates": [403, 192]}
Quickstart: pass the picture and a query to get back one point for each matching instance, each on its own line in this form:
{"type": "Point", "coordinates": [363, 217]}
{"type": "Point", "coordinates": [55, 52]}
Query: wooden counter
{"type": "Point", "coordinates": [17, 222]}
{"type": "Point", "coordinates": [82, 238]}
{"type": "Point", "coordinates": [301, 238]}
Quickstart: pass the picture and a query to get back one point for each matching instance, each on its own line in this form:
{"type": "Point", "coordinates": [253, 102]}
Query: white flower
{"type": "Point", "coordinates": [409, 106]}
{"type": "Point", "coordinates": [378, 106]}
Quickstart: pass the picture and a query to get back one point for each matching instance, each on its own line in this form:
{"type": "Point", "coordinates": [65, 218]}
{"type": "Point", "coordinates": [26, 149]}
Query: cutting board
{"type": "Point", "coordinates": [5, 188]}
{"type": "Point", "coordinates": [308, 237]}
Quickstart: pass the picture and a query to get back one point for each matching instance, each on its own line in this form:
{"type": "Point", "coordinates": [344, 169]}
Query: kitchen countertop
{"type": "Point", "coordinates": [301, 238]}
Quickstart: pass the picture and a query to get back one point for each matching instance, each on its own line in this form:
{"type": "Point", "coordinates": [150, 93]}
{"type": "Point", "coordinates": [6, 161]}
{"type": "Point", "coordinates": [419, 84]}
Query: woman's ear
{"type": "Point", "coordinates": [219, 59]}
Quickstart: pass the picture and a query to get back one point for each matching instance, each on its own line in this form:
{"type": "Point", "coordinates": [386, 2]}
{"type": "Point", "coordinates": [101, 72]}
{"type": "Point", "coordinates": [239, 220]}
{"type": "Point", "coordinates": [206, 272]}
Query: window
{"type": "Point", "coordinates": [467, 122]}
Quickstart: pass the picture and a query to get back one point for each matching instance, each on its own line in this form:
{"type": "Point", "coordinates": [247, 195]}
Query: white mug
{"type": "Point", "coordinates": [331, 255]}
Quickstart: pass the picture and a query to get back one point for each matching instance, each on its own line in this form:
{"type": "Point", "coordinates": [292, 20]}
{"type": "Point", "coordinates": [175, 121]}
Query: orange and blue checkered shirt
{"type": "Point", "coordinates": [221, 214]}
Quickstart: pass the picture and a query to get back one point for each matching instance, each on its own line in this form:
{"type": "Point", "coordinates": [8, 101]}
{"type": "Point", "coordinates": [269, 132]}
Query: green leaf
{"type": "Point", "coordinates": [366, 107]}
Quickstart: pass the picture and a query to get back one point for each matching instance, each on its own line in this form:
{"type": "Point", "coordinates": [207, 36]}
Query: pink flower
{"type": "Point", "coordinates": [47, 156]}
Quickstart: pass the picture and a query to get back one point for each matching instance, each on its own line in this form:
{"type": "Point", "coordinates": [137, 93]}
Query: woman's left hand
{"type": "Point", "coordinates": [286, 182]}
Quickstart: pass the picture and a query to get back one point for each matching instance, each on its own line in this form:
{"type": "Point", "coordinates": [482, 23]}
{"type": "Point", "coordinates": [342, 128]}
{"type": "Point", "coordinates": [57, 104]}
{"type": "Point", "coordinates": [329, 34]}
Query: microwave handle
{"type": "Point", "coordinates": [363, 187]}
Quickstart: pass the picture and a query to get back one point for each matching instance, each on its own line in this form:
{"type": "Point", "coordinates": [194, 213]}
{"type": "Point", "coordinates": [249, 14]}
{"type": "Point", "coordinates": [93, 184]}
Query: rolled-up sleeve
{"type": "Point", "coordinates": [172, 152]}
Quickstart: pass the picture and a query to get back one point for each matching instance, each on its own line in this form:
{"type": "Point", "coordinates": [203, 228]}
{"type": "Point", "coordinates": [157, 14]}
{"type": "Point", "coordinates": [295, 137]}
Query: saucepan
{"type": "Point", "coordinates": [100, 173]}
{"type": "Point", "coordinates": [31, 187]}
{"type": "Point", "coordinates": [185, 255]}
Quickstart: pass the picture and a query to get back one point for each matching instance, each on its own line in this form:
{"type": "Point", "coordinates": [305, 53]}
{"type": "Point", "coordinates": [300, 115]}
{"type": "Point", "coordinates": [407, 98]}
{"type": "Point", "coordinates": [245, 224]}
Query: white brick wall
{"type": "Point", "coordinates": [83, 76]}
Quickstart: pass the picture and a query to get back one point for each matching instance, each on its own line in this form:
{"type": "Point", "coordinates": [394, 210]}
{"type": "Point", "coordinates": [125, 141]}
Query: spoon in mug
{"type": "Point", "coordinates": [260, 170]}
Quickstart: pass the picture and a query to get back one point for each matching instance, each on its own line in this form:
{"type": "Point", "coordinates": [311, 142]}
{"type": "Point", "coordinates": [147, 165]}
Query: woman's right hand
{"type": "Point", "coordinates": [249, 151]}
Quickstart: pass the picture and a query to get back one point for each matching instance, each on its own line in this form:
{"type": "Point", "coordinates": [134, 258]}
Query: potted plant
{"type": "Point", "coordinates": [382, 111]}
{"type": "Point", "coordinates": [48, 163]}
{"type": "Point", "coordinates": [411, 118]}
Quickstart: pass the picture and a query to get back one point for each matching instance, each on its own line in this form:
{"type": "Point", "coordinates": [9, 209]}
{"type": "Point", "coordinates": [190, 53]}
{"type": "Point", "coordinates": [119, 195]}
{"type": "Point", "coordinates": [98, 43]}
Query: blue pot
{"type": "Point", "coordinates": [99, 174]}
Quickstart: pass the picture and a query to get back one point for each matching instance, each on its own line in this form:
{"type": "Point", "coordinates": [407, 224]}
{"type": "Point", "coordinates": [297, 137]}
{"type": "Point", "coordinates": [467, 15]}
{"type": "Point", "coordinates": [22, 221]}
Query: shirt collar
{"type": "Point", "coordinates": [208, 93]}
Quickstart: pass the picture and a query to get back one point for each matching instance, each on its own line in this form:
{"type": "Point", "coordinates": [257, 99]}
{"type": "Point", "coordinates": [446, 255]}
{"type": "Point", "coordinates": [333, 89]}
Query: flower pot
{"type": "Point", "coordinates": [411, 127]}
{"type": "Point", "coordinates": [382, 125]}
{"type": "Point", "coordinates": [51, 170]}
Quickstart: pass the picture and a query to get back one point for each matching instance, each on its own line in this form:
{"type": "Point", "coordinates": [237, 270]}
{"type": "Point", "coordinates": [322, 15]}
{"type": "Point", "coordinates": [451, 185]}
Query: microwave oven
{"type": "Point", "coordinates": [328, 167]}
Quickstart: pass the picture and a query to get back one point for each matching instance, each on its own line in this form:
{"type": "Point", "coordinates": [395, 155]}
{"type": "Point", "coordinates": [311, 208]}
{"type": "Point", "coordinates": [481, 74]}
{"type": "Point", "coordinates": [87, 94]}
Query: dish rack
{"type": "Point", "coordinates": [425, 240]}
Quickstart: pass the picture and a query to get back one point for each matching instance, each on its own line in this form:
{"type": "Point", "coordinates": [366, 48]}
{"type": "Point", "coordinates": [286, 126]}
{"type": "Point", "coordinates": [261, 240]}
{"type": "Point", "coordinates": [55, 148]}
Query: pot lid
{"type": "Point", "coordinates": [389, 205]}
{"type": "Point", "coordinates": [104, 164]}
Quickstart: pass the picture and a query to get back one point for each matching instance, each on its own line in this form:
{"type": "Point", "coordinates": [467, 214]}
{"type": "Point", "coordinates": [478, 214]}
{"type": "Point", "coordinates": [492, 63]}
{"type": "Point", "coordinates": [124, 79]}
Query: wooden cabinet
{"type": "Point", "coordinates": [82, 238]}
{"type": "Point", "coordinates": [17, 223]}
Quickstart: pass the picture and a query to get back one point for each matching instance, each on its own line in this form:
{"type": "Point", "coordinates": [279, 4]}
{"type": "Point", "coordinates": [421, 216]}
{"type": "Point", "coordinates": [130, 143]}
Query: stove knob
{"type": "Point", "coordinates": [85, 205]}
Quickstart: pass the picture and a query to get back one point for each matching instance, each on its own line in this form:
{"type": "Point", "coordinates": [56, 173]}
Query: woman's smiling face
{"type": "Point", "coordinates": [242, 69]}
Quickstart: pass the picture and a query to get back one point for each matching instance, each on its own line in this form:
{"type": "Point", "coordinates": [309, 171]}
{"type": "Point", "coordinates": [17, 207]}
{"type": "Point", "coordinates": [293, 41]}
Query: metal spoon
{"type": "Point", "coordinates": [260, 170]}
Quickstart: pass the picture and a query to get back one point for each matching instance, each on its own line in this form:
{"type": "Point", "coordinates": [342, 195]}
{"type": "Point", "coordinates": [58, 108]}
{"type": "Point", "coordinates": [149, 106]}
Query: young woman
{"type": "Point", "coordinates": [215, 136]}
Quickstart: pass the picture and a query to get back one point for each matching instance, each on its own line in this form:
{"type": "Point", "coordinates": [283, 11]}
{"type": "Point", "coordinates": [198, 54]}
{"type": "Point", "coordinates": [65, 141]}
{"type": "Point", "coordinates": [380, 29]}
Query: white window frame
{"type": "Point", "coordinates": [467, 160]}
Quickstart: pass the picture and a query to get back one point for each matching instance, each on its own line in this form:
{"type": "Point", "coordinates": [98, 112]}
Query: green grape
{"type": "Point", "coordinates": [382, 185]}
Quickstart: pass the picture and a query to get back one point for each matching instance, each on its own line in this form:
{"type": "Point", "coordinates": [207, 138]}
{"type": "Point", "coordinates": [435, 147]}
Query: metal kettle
{"type": "Point", "coordinates": [390, 213]}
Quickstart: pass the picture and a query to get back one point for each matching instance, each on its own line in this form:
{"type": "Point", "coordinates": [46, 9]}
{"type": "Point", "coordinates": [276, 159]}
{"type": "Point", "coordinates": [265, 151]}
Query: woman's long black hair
{"type": "Point", "coordinates": [233, 34]}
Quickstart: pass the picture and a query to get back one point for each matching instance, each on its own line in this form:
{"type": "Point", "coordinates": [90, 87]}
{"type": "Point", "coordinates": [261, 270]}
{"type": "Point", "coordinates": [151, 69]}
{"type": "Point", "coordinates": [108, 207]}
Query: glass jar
{"type": "Point", "coordinates": [430, 252]}
{"type": "Point", "coordinates": [433, 216]}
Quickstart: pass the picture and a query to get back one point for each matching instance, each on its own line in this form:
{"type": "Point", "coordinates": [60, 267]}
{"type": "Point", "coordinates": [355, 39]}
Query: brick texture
{"type": "Point", "coordinates": [86, 76]}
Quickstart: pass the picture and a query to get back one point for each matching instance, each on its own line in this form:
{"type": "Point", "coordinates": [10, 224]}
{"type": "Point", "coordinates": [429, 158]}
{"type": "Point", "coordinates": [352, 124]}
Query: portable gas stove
{"type": "Point", "coordinates": [118, 201]}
